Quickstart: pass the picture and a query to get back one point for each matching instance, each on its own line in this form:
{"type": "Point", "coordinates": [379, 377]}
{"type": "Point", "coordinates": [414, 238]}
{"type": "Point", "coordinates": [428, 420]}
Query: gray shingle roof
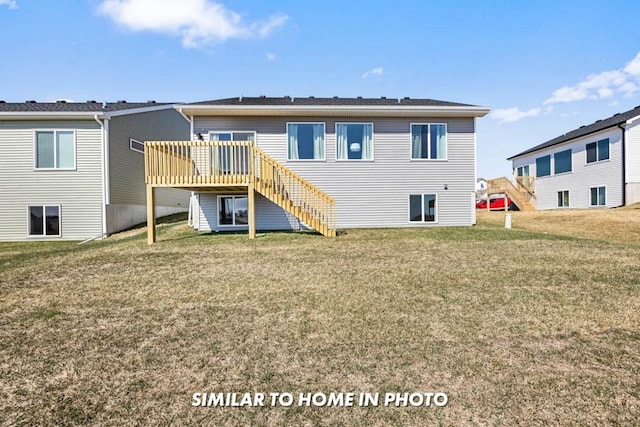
{"type": "Point", "coordinates": [598, 125]}
{"type": "Point", "coordinates": [359, 101]}
{"type": "Point", "coordinates": [73, 107]}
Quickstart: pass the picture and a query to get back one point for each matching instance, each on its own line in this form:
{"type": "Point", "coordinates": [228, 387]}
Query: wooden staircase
{"type": "Point", "coordinates": [521, 195]}
{"type": "Point", "coordinates": [294, 194]}
{"type": "Point", "coordinates": [232, 166]}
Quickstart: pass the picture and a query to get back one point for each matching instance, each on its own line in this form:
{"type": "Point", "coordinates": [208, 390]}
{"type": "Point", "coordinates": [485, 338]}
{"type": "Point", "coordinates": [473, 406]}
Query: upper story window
{"type": "Point", "coordinates": [55, 149]}
{"type": "Point", "coordinates": [428, 141]}
{"type": "Point", "coordinates": [305, 141]}
{"type": "Point", "coordinates": [598, 151]}
{"type": "Point", "coordinates": [354, 141]}
{"type": "Point", "coordinates": [562, 162]}
{"type": "Point", "coordinates": [543, 166]}
{"type": "Point", "coordinates": [522, 170]}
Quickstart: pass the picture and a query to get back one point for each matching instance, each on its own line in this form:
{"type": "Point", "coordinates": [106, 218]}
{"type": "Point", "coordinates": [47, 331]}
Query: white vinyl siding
{"type": "Point", "coordinates": [583, 175]}
{"type": "Point", "coordinates": [375, 193]}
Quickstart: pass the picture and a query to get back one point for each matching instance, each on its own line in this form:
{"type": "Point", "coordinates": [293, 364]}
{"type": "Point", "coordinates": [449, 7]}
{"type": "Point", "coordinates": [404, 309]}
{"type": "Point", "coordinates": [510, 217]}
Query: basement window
{"type": "Point", "coordinates": [563, 199]}
{"type": "Point", "coordinates": [233, 211]}
{"type": "Point", "coordinates": [598, 196]}
{"type": "Point", "coordinates": [44, 221]}
{"type": "Point", "coordinates": [423, 208]}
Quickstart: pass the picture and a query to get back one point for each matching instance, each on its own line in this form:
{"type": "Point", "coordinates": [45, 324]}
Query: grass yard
{"type": "Point", "coordinates": [517, 327]}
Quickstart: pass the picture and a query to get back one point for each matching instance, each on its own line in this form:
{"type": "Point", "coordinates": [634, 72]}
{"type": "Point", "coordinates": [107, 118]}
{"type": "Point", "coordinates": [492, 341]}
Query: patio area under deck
{"type": "Point", "coordinates": [231, 166]}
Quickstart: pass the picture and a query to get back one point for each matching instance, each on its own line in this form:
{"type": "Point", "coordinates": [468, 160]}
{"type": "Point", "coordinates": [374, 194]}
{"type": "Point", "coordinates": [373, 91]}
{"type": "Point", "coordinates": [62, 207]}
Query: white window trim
{"type": "Point", "coordinates": [44, 218]}
{"type": "Point", "coordinates": [422, 221]}
{"type": "Point", "coordinates": [230, 226]}
{"type": "Point", "coordinates": [597, 152]}
{"type": "Point", "coordinates": [131, 141]}
{"type": "Point", "coordinates": [324, 136]}
{"type": "Point", "coordinates": [255, 134]}
{"type": "Point", "coordinates": [605, 196]}
{"type": "Point", "coordinates": [569, 194]}
{"type": "Point", "coordinates": [446, 143]}
{"type": "Point", "coordinates": [35, 150]}
{"type": "Point", "coordinates": [373, 142]}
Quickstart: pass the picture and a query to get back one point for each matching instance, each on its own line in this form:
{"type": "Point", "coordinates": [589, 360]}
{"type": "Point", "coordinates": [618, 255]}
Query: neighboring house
{"type": "Point", "coordinates": [325, 163]}
{"type": "Point", "coordinates": [481, 188]}
{"type": "Point", "coordinates": [596, 165]}
{"type": "Point", "coordinates": [76, 170]}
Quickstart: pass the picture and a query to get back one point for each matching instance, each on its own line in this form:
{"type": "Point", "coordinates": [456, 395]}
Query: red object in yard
{"type": "Point", "coordinates": [496, 204]}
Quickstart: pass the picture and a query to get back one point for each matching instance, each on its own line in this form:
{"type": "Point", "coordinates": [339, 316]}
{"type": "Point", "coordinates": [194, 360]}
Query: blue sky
{"type": "Point", "coordinates": [544, 67]}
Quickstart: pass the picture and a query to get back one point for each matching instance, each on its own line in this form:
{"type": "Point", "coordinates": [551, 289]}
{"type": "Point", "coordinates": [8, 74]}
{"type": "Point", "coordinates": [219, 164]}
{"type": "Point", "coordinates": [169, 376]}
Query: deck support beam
{"type": "Point", "coordinates": [252, 211]}
{"type": "Point", "coordinates": [151, 214]}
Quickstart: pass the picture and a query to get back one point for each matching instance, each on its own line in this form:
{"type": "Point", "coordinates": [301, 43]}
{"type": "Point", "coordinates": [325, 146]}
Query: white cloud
{"type": "Point", "coordinates": [510, 115]}
{"type": "Point", "coordinates": [11, 3]}
{"type": "Point", "coordinates": [373, 72]}
{"type": "Point", "coordinates": [271, 56]}
{"type": "Point", "coordinates": [604, 85]}
{"type": "Point", "coordinates": [197, 22]}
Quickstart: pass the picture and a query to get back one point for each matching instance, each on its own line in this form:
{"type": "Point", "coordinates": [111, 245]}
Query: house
{"type": "Point", "coordinates": [76, 170]}
{"type": "Point", "coordinates": [323, 163]}
{"type": "Point", "coordinates": [597, 165]}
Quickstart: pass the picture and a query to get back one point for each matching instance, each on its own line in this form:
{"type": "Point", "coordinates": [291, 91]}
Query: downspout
{"type": "Point", "coordinates": [104, 139]}
{"type": "Point", "coordinates": [624, 165]}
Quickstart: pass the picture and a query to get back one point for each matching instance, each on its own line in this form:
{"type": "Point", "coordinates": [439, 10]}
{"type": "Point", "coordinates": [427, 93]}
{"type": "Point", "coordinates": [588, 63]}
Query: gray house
{"type": "Point", "coordinates": [596, 165]}
{"type": "Point", "coordinates": [324, 163]}
{"type": "Point", "coordinates": [76, 170]}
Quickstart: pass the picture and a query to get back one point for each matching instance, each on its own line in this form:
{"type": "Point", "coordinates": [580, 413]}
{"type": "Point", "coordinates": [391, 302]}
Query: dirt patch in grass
{"type": "Point", "coordinates": [516, 327]}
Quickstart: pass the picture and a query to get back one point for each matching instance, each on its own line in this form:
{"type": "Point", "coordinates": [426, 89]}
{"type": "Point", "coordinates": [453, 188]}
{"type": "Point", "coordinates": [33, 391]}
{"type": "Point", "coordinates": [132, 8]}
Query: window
{"type": "Point", "coordinates": [563, 199]}
{"type": "Point", "coordinates": [522, 170]}
{"type": "Point", "coordinates": [562, 162]}
{"type": "Point", "coordinates": [233, 210]}
{"type": "Point", "coordinates": [44, 221]}
{"type": "Point", "coordinates": [422, 208]}
{"type": "Point", "coordinates": [428, 141]}
{"type": "Point", "coordinates": [228, 159]}
{"type": "Point", "coordinates": [354, 141]}
{"type": "Point", "coordinates": [305, 141]}
{"type": "Point", "coordinates": [136, 145]}
{"type": "Point", "coordinates": [598, 196]}
{"type": "Point", "coordinates": [543, 166]}
{"type": "Point", "coordinates": [598, 151]}
{"type": "Point", "coordinates": [55, 149]}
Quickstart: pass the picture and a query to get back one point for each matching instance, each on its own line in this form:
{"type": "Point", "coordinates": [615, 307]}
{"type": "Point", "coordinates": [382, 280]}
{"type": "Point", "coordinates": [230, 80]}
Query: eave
{"type": "Point", "coordinates": [332, 111]}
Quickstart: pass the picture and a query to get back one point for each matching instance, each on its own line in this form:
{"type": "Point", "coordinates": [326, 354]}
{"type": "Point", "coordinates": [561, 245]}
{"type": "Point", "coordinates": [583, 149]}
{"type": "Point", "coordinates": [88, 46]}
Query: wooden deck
{"type": "Point", "coordinates": [231, 166]}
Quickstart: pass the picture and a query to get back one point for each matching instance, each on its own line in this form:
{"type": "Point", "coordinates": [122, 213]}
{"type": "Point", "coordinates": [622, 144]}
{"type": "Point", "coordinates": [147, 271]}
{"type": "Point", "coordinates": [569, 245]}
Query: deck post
{"type": "Point", "coordinates": [151, 215]}
{"type": "Point", "coordinates": [252, 210]}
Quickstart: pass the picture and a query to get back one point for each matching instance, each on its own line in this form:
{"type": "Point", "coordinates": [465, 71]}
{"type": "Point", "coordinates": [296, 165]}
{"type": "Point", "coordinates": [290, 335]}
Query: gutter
{"type": "Point", "coordinates": [624, 164]}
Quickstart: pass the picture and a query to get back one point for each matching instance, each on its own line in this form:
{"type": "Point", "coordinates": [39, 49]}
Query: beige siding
{"type": "Point", "coordinates": [78, 192]}
{"type": "Point", "coordinates": [375, 193]}
{"type": "Point", "coordinates": [268, 215]}
{"type": "Point", "coordinates": [126, 167]}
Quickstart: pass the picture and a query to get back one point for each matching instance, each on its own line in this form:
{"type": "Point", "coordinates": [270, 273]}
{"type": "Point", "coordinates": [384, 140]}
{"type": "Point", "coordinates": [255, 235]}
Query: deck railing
{"type": "Point", "coordinates": [526, 183]}
{"type": "Point", "coordinates": [298, 196]}
{"type": "Point", "coordinates": [174, 163]}
{"type": "Point", "coordinates": [194, 164]}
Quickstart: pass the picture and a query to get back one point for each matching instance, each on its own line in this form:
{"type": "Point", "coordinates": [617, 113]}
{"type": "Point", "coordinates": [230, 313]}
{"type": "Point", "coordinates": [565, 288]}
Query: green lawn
{"type": "Point", "coordinates": [516, 327]}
